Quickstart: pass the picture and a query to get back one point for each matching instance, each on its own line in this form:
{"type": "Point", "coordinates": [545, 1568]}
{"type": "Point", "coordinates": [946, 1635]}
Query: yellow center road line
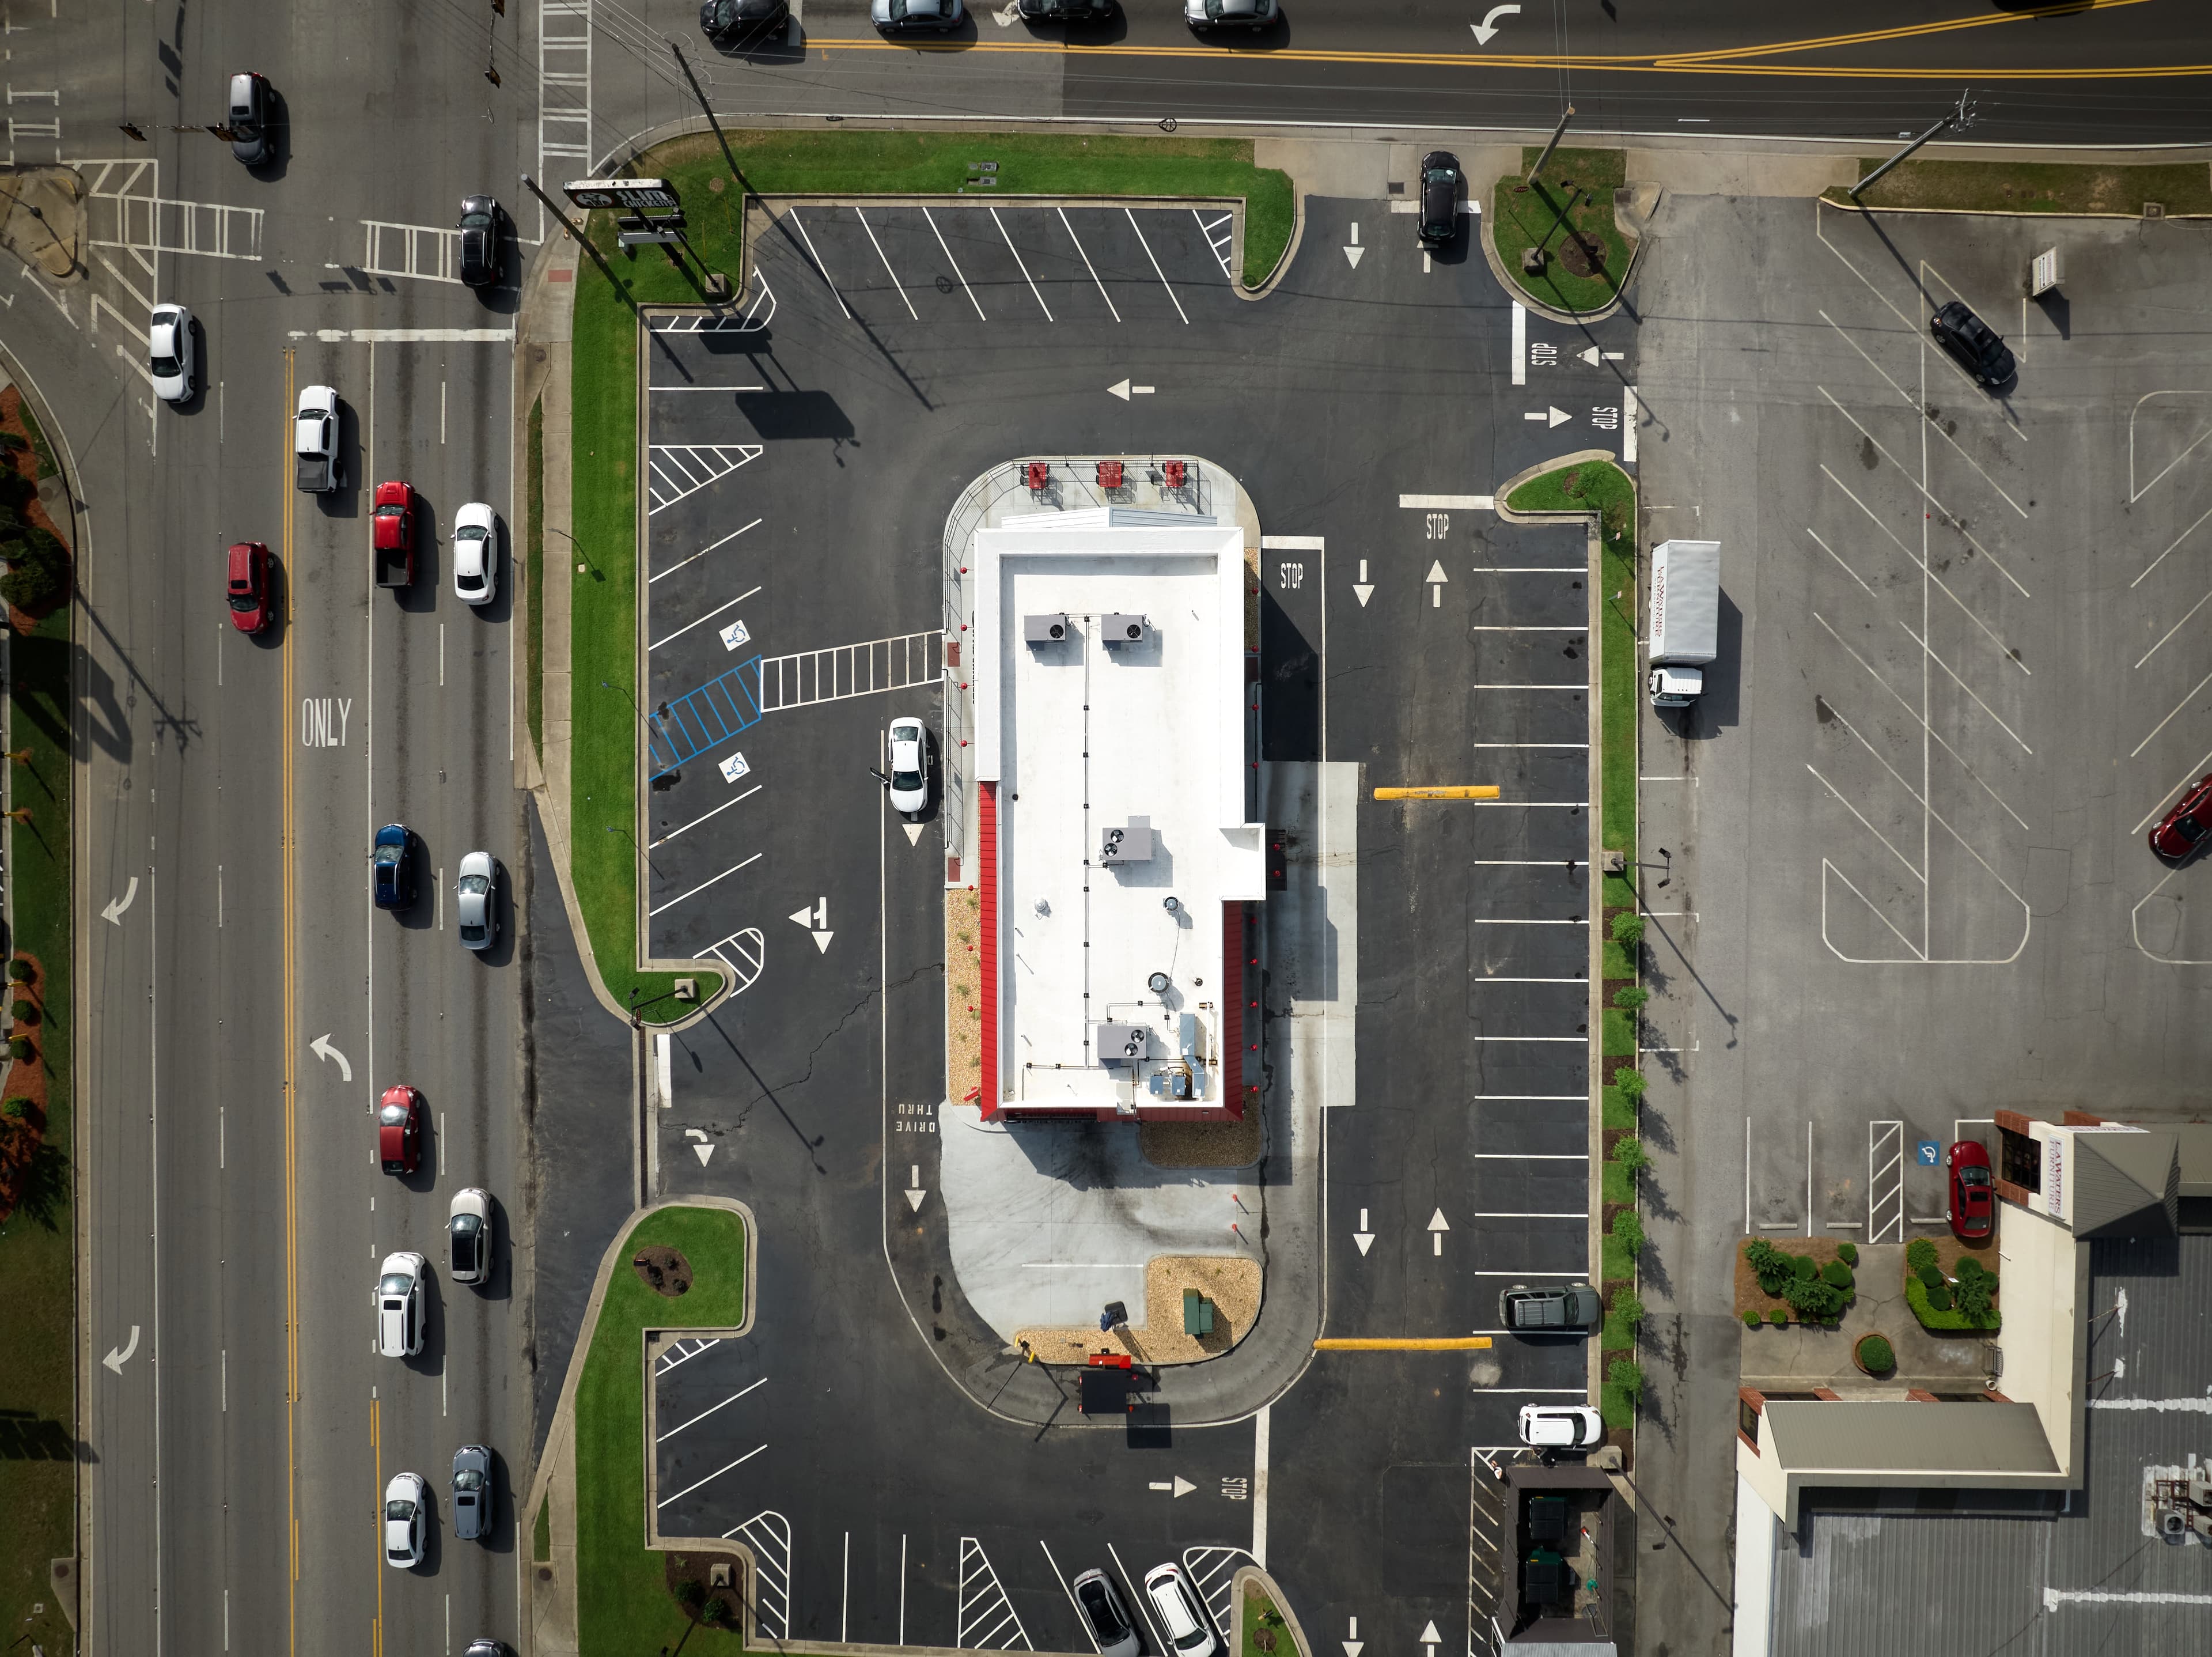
{"type": "Point", "coordinates": [1459, 791]}
{"type": "Point", "coordinates": [291, 1038]}
{"type": "Point", "coordinates": [1407, 1343]}
{"type": "Point", "coordinates": [1903, 32]}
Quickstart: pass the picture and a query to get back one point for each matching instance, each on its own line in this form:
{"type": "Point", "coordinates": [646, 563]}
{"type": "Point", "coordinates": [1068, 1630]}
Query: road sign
{"type": "Point", "coordinates": [632, 195]}
{"type": "Point", "coordinates": [2043, 273]}
{"type": "Point", "coordinates": [1930, 1152]}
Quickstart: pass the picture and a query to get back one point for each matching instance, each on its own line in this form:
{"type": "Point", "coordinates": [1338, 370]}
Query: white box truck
{"type": "Point", "coordinates": [1686, 619]}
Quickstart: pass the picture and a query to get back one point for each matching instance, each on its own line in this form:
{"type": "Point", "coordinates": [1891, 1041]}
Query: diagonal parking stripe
{"type": "Point", "coordinates": [678, 470]}
{"type": "Point", "coordinates": [986, 1615]}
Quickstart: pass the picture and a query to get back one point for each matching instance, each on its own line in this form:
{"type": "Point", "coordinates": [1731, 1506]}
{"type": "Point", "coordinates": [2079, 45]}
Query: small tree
{"type": "Point", "coordinates": [1629, 997]}
{"type": "Point", "coordinates": [1838, 1273]}
{"type": "Point", "coordinates": [715, 1612]}
{"type": "Point", "coordinates": [1627, 1374]}
{"type": "Point", "coordinates": [1631, 1083]}
{"type": "Point", "coordinates": [1627, 1307]}
{"type": "Point", "coordinates": [1628, 1231]}
{"type": "Point", "coordinates": [1628, 1151]}
{"type": "Point", "coordinates": [1804, 1265]}
{"type": "Point", "coordinates": [1628, 929]}
{"type": "Point", "coordinates": [17, 1107]}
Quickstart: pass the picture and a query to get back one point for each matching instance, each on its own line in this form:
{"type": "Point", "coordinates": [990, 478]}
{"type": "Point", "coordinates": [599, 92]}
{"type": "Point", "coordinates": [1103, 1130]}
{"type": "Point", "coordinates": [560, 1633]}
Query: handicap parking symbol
{"type": "Point", "coordinates": [734, 767]}
{"type": "Point", "coordinates": [1930, 1152]}
{"type": "Point", "coordinates": [734, 634]}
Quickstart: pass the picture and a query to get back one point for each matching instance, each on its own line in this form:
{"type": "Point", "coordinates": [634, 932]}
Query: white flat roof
{"type": "Point", "coordinates": [1082, 736]}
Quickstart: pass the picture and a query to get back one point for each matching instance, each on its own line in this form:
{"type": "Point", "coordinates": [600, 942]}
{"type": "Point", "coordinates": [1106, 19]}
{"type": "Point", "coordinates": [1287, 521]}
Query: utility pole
{"type": "Point", "coordinates": [552, 207]}
{"type": "Point", "coordinates": [708, 109]}
{"type": "Point", "coordinates": [1962, 118]}
{"type": "Point", "coordinates": [1568, 115]}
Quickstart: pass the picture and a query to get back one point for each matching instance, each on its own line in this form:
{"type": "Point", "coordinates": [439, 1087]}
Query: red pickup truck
{"type": "Point", "coordinates": [395, 534]}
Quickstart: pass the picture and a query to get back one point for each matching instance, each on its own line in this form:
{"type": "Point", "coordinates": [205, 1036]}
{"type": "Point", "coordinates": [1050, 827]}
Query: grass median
{"type": "Point", "coordinates": [2035, 188]}
{"type": "Point", "coordinates": [622, 1601]}
{"type": "Point", "coordinates": [1568, 212]}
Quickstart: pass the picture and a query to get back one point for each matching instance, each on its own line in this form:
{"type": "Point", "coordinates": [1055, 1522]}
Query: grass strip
{"type": "Point", "coordinates": [1617, 1110]}
{"type": "Point", "coordinates": [623, 1602]}
{"type": "Point", "coordinates": [541, 1533]}
{"type": "Point", "coordinates": [2035, 188]}
{"type": "Point", "coordinates": [534, 581]}
{"type": "Point", "coordinates": [1618, 1184]}
{"type": "Point", "coordinates": [1581, 182]}
{"type": "Point", "coordinates": [1260, 1629]}
{"type": "Point", "coordinates": [1616, 1405]}
{"type": "Point", "coordinates": [38, 1259]}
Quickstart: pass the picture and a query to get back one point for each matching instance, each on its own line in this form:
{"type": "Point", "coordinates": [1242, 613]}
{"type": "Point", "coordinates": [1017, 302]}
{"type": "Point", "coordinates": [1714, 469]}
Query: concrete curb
{"type": "Point", "coordinates": [1256, 1576]}
{"type": "Point", "coordinates": [1862, 209]}
{"type": "Point", "coordinates": [1595, 1352]}
{"type": "Point", "coordinates": [557, 1468]}
{"type": "Point", "coordinates": [1514, 291]}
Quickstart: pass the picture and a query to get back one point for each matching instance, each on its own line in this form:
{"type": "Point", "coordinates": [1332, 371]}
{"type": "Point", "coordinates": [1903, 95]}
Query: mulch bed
{"type": "Point", "coordinates": [1750, 1297]}
{"type": "Point", "coordinates": [682, 1567]}
{"type": "Point", "coordinates": [24, 462]}
{"type": "Point", "coordinates": [1582, 257]}
{"type": "Point", "coordinates": [21, 1137]}
{"type": "Point", "coordinates": [664, 1271]}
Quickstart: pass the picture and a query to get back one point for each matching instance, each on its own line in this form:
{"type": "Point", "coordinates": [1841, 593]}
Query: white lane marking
{"type": "Point", "coordinates": [1921, 564]}
{"type": "Point", "coordinates": [1529, 569]}
{"type": "Point", "coordinates": [1582, 1039]}
{"type": "Point", "coordinates": [888, 272]}
{"type": "Point", "coordinates": [1532, 1156]}
{"type": "Point", "coordinates": [2183, 781]}
{"type": "Point", "coordinates": [1921, 411]}
{"type": "Point", "coordinates": [695, 821]}
{"type": "Point", "coordinates": [710, 1477]}
{"type": "Point", "coordinates": [1087, 264]}
{"type": "Point", "coordinates": [728, 391]}
{"type": "Point", "coordinates": [955, 264]}
{"type": "Point", "coordinates": [1448, 503]}
{"type": "Point", "coordinates": [321, 1048]}
{"type": "Point", "coordinates": [2168, 720]}
{"type": "Point", "coordinates": [1292, 542]}
{"type": "Point", "coordinates": [708, 616]}
{"type": "Point", "coordinates": [2134, 493]}
{"type": "Point", "coordinates": [1022, 264]}
{"type": "Point", "coordinates": [1157, 271]}
{"type": "Point", "coordinates": [407, 336]}
{"type": "Point", "coordinates": [703, 551]}
{"type": "Point", "coordinates": [1500, 920]}
{"type": "Point", "coordinates": [703, 885]}
{"type": "Point", "coordinates": [1584, 746]}
{"type": "Point", "coordinates": [1081, 1621]}
{"type": "Point", "coordinates": [1223, 243]}
{"type": "Point", "coordinates": [1531, 1098]}
{"type": "Point", "coordinates": [1949, 517]}
{"type": "Point", "coordinates": [113, 913]}
{"type": "Point", "coordinates": [1262, 1433]}
{"type": "Point", "coordinates": [1488, 28]}
{"type": "Point", "coordinates": [1528, 687]}
{"type": "Point", "coordinates": [1630, 408]}
{"type": "Point", "coordinates": [118, 1356]}
{"type": "Point", "coordinates": [820, 269]}
{"type": "Point", "coordinates": [2178, 540]}
{"type": "Point", "coordinates": [1520, 344]}
{"type": "Point", "coordinates": [1583, 1216]}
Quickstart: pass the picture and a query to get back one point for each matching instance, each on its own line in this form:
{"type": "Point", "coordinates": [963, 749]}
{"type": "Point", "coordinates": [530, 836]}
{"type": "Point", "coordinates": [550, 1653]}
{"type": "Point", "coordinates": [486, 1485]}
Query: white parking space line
{"type": "Point", "coordinates": [680, 1354]}
{"type": "Point", "coordinates": [677, 472]}
{"type": "Point", "coordinates": [1022, 263]}
{"type": "Point", "coordinates": [888, 272]}
{"type": "Point", "coordinates": [1926, 494]}
{"type": "Point", "coordinates": [1529, 569]}
{"type": "Point", "coordinates": [703, 885]}
{"type": "Point", "coordinates": [1579, 627]}
{"type": "Point", "coordinates": [1582, 1216]}
{"type": "Point", "coordinates": [2168, 720]}
{"type": "Point", "coordinates": [1528, 745]}
{"type": "Point", "coordinates": [820, 269]}
{"type": "Point", "coordinates": [1584, 1039]}
{"type": "Point", "coordinates": [2166, 799]}
{"type": "Point", "coordinates": [1081, 1621]}
{"type": "Point", "coordinates": [703, 551]}
{"type": "Point", "coordinates": [1920, 563]}
{"type": "Point", "coordinates": [1827, 869]}
{"type": "Point", "coordinates": [1529, 687]}
{"type": "Point", "coordinates": [1157, 271]}
{"type": "Point", "coordinates": [2178, 540]}
{"type": "Point", "coordinates": [955, 264]}
{"type": "Point", "coordinates": [1143, 1605]}
{"type": "Point", "coordinates": [1534, 1156]}
{"type": "Point", "coordinates": [1910, 867]}
{"type": "Point", "coordinates": [1920, 409]}
{"type": "Point", "coordinates": [1221, 235]}
{"type": "Point", "coordinates": [703, 1414]}
{"type": "Point", "coordinates": [710, 1477]}
{"type": "Point", "coordinates": [1532, 1098]}
{"type": "Point", "coordinates": [1520, 344]}
{"type": "Point", "coordinates": [1531, 863]}
{"type": "Point", "coordinates": [985, 1610]}
{"type": "Point", "coordinates": [1488, 978]}
{"type": "Point", "coordinates": [1496, 920]}
{"type": "Point", "coordinates": [2135, 494]}
{"type": "Point", "coordinates": [695, 821]}
{"type": "Point", "coordinates": [1087, 265]}
{"type": "Point", "coordinates": [702, 621]}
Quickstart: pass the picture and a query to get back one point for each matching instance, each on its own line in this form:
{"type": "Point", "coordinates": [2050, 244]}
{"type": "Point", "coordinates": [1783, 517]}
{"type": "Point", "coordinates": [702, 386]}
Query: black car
{"type": "Point", "coordinates": [1065, 11]}
{"type": "Point", "coordinates": [479, 241]}
{"type": "Point", "coordinates": [725, 20]}
{"type": "Point", "coordinates": [249, 117]}
{"type": "Point", "coordinates": [1442, 182]}
{"type": "Point", "coordinates": [1977, 347]}
{"type": "Point", "coordinates": [395, 867]}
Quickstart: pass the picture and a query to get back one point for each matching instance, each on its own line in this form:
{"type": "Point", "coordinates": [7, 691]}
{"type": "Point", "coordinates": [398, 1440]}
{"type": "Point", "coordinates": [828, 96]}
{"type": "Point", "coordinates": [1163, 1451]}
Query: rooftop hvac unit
{"type": "Point", "coordinates": [2201, 1526]}
{"type": "Point", "coordinates": [1044, 629]}
{"type": "Point", "coordinates": [2172, 1522]}
{"type": "Point", "coordinates": [1121, 1043]}
{"type": "Point", "coordinates": [1122, 630]}
{"type": "Point", "coordinates": [2200, 1484]}
{"type": "Point", "coordinates": [1132, 844]}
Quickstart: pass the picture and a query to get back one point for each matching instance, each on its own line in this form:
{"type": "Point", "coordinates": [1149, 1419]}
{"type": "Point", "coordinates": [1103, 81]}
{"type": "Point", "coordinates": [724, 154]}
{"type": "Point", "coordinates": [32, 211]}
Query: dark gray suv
{"type": "Point", "coordinates": [1570, 1309]}
{"type": "Point", "coordinates": [1442, 185]}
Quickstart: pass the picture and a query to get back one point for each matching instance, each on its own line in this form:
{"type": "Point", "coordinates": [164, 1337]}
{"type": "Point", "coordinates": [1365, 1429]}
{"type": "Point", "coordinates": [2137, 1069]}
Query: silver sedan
{"type": "Point", "coordinates": [902, 16]}
{"type": "Point", "coordinates": [476, 905]}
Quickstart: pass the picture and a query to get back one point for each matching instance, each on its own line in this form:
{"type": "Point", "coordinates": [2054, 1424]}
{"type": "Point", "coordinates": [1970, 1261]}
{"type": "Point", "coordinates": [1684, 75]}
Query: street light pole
{"type": "Point", "coordinates": [1566, 115]}
{"type": "Point", "coordinates": [1961, 118]}
{"type": "Point", "coordinates": [708, 109]}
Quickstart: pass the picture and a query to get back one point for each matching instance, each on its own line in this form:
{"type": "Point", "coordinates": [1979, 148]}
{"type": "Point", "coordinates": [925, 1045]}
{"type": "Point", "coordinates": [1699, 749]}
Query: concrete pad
{"type": "Point", "coordinates": [1740, 172]}
{"type": "Point", "coordinates": [1358, 168]}
{"type": "Point", "coordinates": [1049, 1221]}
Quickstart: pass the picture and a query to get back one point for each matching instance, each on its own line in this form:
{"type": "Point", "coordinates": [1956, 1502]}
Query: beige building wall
{"type": "Point", "coordinates": [2043, 1271]}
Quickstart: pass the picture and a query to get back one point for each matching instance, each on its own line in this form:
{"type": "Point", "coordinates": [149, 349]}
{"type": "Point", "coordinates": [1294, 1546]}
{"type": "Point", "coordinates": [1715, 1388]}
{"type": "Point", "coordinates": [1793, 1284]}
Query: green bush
{"type": "Point", "coordinates": [1627, 1374]}
{"type": "Point", "coordinates": [1629, 1152]}
{"type": "Point", "coordinates": [1838, 1273]}
{"type": "Point", "coordinates": [1916, 1297]}
{"type": "Point", "coordinates": [1780, 1317]}
{"type": "Point", "coordinates": [38, 570]}
{"type": "Point", "coordinates": [1628, 1231]}
{"type": "Point", "coordinates": [1626, 1307]}
{"type": "Point", "coordinates": [23, 1012]}
{"type": "Point", "coordinates": [1970, 1269]}
{"type": "Point", "coordinates": [1919, 1254]}
{"type": "Point", "coordinates": [1631, 1083]}
{"type": "Point", "coordinates": [1976, 1291]}
{"type": "Point", "coordinates": [1628, 927]}
{"type": "Point", "coordinates": [1815, 1298]}
{"type": "Point", "coordinates": [1629, 997]}
{"type": "Point", "coordinates": [20, 971]}
{"type": "Point", "coordinates": [17, 1108]}
{"type": "Point", "coordinates": [1768, 1263]}
{"type": "Point", "coordinates": [1940, 1297]}
{"type": "Point", "coordinates": [1805, 1266]}
{"type": "Point", "coordinates": [1931, 1278]}
{"type": "Point", "coordinates": [1847, 1253]}
{"type": "Point", "coordinates": [691, 1592]}
{"type": "Point", "coordinates": [1752, 1321]}
{"type": "Point", "coordinates": [715, 1612]}
{"type": "Point", "coordinates": [20, 1047]}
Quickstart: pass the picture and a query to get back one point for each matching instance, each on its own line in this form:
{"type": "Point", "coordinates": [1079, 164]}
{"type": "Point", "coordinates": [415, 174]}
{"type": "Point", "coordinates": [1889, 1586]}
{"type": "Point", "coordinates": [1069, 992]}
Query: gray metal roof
{"type": "Point", "coordinates": [2126, 1185]}
{"type": "Point", "coordinates": [1929, 1438]}
{"type": "Point", "coordinates": [1886, 1576]}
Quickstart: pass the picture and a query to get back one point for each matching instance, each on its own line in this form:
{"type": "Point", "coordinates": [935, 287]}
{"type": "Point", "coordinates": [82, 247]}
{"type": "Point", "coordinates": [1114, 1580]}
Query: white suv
{"type": "Point", "coordinates": [1561, 1426]}
{"type": "Point", "coordinates": [1190, 1631]}
{"type": "Point", "coordinates": [397, 1298]}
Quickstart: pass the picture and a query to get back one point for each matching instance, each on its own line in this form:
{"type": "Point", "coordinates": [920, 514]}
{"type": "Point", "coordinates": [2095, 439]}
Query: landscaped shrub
{"type": "Point", "coordinates": [1876, 1355]}
{"type": "Point", "coordinates": [1919, 1254]}
{"type": "Point", "coordinates": [21, 970]}
{"type": "Point", "coordinates": [1931, 1278]}
{"type": "Point", "coordinates": [691, 1592]}
{"type": "Point", "coordinates": [20, 1047]}
{"type": "Point", "coordinates": [715, 1612]}
{"type": "Point", "coordinates": [1804, 1266]}
{"type": "Point", "coordinates": [1629, 997]}
{"type": "Point", "coordinates": [1847, 1253]}
{"type": "Point", "coordinates": [1778, 1317]}
{"type": "Point", "coordinates": [1815, 1298]}
{"type": "Point", "coordinates": [17, 1108]}
{"type": "Point", "coordinates": [37, 569]}
{"type": "Point", "coordinates": [1752, 1319]}
{"type": "Point", "coordinates": [1768, 1263]}
{"type": "Point", "coordinates": [23, 1012]}
{"type": "Point", "coordinates": [1946, 1320]}
{"type": "Point", "coordinates": [1940, 1297]}
{"type": "Point", "coordinates": [1628, 1231]}
{"type": "Point", "coordinates": [1631, 1083]}
{"type": "Point", "coordinates": [1627, 1374]}
{"type": "Point", "coordinates": [1628, 929]}
{"type": "Point", "coordinates": [1838, 1273]}
{"type": "Point", "coordinates": [1629, 1152]}
{"type": "Point", "coordinates": [1976, 1289]}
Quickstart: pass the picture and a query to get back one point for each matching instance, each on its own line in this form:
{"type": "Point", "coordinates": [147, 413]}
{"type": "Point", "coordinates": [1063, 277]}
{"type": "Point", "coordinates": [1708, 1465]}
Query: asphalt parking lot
{"type": "Point", "coordinates": [1369, 406]}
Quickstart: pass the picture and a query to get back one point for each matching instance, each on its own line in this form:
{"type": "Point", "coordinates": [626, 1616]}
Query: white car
{"type": "Point", "coordinates": [475, 901]}
{"type": "Point", "coordinates": [1188, 1629]}
{"type": "Point", "coordinates": [468, 1231]}
{"type": "Point", "coordinates": [398, 1301]}
{"type": "Point", "coordinates": [476, 554]}
{"type": "Point", "coordinates": [406, 1518]}
{"type": "Point", "coordinates": [169, 353]}
{"type": "Point", "coordinates": [909, 775]}
{"type": "Point", "coordinates": [1561, 1426]}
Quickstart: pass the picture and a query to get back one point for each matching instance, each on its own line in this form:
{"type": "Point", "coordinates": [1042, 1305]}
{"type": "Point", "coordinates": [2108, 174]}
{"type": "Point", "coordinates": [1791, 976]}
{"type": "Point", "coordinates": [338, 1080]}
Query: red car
{"type": "Point", "coordinates": [1974, 1198]}
{"type": "Point", "coordinates": [395, 534]}
{"type": "Point", "coordinates": [399, 1128]}
{"type": "Point", "coordinates": [2183, 827]}
{"type": "Point", "coordinates": [250, 609]}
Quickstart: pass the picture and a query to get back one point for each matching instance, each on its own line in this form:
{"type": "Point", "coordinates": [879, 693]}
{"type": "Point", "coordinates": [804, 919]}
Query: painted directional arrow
{"type": "Point", "coordinates": [1436, 579]}
{"type": "Point", "coordinates": [113, 913]}
{"type": "Point", "coordinates": [1364, 1237]}
{"type": "Point", "coordinates": [1180, 1485]}
{"type": "Point", "coordinates": [1589, 355]}
{"type": "Point", "coordinates": [1488, 26]}
{"type": "Point", "coordinates": [913, 833]}
{"type": "Point", "coordinates": [1124, 390]}
{"type": "Point", "coordinates": [1550, 417]}
{"type": "Point", "coordinates": [704, 1149]}
{"type": "Point", "coordinates": [1363, 589]}
{"type": "Point", "coordinates": [1437, 1227]}
{"type": "Point", "coordinates": [816, 920]}
{"type": "Point", "coordinates": [1354, 1645]}
{"type": "Point", "coordinates": [321, 1048]}
{"type": "Point", "coordinates": [1355, 249]}
{"type": "Point", "coordinates": [116, 1357]}
{"type": "Point", "coordinates": [1431, 1638]}
{"type": "Point", "coordinates": [915, 1192]}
